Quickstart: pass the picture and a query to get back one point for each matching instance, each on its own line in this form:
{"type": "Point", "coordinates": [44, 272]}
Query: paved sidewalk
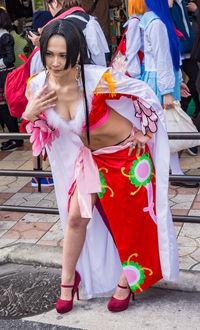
{"type": "Point", "coordinates": [41, 230]}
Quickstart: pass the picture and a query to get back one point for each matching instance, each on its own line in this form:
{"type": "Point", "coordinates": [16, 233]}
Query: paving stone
{"type": "Point", "coordinates": [11, 216]}
{"type": "Point", "coordinates": [177, 230]}
{"type": "Point", "coordinates": [196, 267]}
{"type": "Point", "coordinates": [6, 242]}
{"type": "Point", "coordinates": [39, 217]}
{"type": "Point", "coordinates": [190, 230]}
{"type": "Point", "coordinates": [55, 233]}
{"type": "Point", "coordinates": [4, 154]}
{"type": "Point", "coordinates": [49, 242]}
{"type": "Point", "coordinates": [196, 255]}
{"type": "Point", "coordinates": [25, 199]}
{"type": "Point", "coordinates": [196, 206]}
{"type": "Point", "coordinates": [28, 230]}
{"type": "Point", "coordinates": [19, 155]}
{"type": "Point", "coordinates": [5, 226]}
{"type": "Point", "coordinates": [194, 213]}
{"type": "Point", "coordinates": [179, 212]}
{"type": "Point", "coordinates": [197, 198]}
{"type": "Point", "coordinates": [186, 263]}
{"type": "Point", "coordinates": [182, 201]}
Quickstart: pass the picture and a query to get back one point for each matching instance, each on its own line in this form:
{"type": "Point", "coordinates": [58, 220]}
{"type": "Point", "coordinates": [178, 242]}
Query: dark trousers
{"type": "Point", "coordinates": [7, 119]}
{"type": "Point", "coordinates": [190, 67]}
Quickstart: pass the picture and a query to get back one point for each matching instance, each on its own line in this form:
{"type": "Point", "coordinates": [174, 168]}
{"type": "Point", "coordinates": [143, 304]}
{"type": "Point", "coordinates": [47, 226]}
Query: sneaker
{"type": "Point", "coordinates": [193, 151]}
{"type": "Point", "coordinates": [44, 182]}
{"type": "Point", "coordinates": [11, 145]}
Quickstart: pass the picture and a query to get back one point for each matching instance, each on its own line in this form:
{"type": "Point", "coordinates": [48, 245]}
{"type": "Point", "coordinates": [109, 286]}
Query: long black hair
{"type": "Point", "coordinates": [76, 48]}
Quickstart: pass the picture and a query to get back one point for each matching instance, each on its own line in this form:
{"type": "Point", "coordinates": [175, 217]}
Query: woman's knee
{"type": "Point", "coordinates": [76, 222]}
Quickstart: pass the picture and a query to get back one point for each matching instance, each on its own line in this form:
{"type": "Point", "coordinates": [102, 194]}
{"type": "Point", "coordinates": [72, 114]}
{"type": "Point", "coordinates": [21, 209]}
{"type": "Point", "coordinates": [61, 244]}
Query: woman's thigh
{"type": "Point", "coordinates": [74, 209]}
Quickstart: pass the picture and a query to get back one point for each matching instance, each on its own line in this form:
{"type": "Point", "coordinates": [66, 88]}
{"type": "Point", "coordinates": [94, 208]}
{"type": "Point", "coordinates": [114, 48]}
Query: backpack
{"type": "Point", "coordinates": [119, 59]}
{"type": "Point", "coordinates": [15, 87]}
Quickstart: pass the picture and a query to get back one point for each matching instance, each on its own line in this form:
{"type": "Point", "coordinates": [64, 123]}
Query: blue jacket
{"type": "Point", "coordinates": [186, 43]}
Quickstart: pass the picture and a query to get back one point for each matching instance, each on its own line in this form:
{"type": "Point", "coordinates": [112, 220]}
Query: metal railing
{"type": "Point", "coordinates": [40, 174]}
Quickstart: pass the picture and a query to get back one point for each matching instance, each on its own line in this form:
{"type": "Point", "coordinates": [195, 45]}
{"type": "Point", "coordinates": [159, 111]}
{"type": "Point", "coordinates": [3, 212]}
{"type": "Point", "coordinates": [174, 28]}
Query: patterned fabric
{"type": "Point", "coordinates": [128, 201]}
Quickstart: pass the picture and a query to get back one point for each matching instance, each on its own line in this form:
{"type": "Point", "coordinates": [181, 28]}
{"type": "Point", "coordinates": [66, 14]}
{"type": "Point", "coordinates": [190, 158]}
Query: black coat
{"type": "Point", "coordinates": [7, 49]}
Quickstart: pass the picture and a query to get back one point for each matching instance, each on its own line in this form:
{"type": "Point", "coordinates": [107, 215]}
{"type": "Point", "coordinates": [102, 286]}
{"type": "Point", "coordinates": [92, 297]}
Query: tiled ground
{"type": "Point", "coordinates": [46, 230]}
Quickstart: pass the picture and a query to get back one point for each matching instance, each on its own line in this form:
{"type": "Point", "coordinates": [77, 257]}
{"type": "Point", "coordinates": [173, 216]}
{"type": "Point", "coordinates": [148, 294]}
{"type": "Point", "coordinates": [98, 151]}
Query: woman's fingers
{"type": "Point", "coordinates": [48, 102]}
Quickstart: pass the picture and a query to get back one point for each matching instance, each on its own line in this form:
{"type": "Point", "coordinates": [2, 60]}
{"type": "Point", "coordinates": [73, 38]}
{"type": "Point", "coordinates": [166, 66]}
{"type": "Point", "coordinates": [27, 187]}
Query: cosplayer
{"type": "Point", "coordinates": [105, 135]}
{"type": "Point", "coordinates": [153, 32]}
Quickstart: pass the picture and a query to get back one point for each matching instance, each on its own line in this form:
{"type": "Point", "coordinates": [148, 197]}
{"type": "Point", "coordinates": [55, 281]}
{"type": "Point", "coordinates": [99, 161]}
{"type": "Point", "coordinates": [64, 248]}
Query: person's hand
{"type": "Point", "coordinates": [184, 90]}
{"type": "Point", "coordinates": [35, 39]}
{"type": "Point", "coordinates": [37, 104]}
{"type": "Point", "coordinates": [168, 101]}
{"type": "Point", "coordinates": [191, 6]}
{"type": "Point", "coordinates": [138, 141]}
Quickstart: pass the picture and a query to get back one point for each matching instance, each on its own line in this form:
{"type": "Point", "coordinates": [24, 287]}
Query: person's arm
{"type": "Point", "coordinates": [8, 47]}
{"type": "Point", "coordinates": [160, 47]}
{"type": "Point", "coordinates": [133, 45]}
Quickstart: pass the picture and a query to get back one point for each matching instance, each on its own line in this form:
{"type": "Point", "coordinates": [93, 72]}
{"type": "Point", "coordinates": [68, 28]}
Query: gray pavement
{"type": "Point", "coordinates": [153, 309]}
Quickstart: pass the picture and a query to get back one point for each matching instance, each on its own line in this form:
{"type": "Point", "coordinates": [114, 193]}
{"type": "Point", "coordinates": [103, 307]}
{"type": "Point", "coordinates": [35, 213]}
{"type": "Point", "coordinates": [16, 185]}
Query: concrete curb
{"type": "Point", "coordinates": [51, 256]}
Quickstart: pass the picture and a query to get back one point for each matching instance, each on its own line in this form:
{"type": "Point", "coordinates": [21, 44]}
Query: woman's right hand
{"type": "Point", "coordinates": [34, 38]}
{"type": "Point", "coordinates": [168, 101]}
{"type": "Point", "coordinates": [37, 104]}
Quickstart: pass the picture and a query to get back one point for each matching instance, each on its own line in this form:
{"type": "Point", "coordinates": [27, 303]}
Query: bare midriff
{"type": "Point", "coordinates": [116, 128]}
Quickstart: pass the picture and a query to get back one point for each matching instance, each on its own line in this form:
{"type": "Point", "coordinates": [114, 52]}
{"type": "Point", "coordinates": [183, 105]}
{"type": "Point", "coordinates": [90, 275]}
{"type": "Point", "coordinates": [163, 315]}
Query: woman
{"type": "Point", "coordinates": [7, 59]}
{"type": "Point", "coordinates": [153, 33]}
{"type": "Point", "coordinates": [98, 128]}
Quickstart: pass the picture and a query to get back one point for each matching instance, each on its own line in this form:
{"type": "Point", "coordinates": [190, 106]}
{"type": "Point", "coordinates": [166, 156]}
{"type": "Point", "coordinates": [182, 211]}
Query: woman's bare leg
{"type": "Point", "coordinates": [74, 239]}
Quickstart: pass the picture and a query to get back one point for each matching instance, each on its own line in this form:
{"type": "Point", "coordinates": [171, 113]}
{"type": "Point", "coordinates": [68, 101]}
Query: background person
{"type": "Point", "coordinates": [95, 38]}
{"type": "Point", "coordinates": [161, 65]}
{"type": "Point", "coordinates": [7, 59]}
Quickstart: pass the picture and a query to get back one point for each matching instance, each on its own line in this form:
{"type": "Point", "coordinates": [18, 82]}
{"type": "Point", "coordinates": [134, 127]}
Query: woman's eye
{"type": "Point", "coordinates": [63, 56]}
{"type": "Point", "coordinates": [48, 54]}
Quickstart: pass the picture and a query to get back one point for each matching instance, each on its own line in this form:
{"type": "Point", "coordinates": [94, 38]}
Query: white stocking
{"type": "Point", "coordinates": [175, 164]}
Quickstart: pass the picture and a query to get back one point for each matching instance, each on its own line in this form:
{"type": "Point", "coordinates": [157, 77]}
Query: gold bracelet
{"type": "Point", "coordinates": [149, 136]}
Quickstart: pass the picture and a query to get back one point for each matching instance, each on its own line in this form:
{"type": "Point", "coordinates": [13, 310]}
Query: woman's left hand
{"type": "Point", "coordinates": [184, 90]}
{"type": "Point", "coordinates": [138, 141]}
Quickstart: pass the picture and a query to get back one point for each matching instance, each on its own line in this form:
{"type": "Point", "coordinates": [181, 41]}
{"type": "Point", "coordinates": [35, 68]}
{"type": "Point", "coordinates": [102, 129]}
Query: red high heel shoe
{"type": "Point", "coordinates": [117, 305]}
{"type": "Point", "coordinates": [64, 306]}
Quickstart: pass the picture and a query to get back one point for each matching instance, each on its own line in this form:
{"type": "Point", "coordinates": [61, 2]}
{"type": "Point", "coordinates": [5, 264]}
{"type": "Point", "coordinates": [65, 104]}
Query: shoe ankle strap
{"type": "Point", "coordinates": [66, 286]}
{"type": "Point", "coordinates": [122, 287]}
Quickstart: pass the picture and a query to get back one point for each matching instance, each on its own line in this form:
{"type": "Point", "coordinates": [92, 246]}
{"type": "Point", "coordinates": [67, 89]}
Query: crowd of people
{"type": "Point", "coordinates": [105, 132]}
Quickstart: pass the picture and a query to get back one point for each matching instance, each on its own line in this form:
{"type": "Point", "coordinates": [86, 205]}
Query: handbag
{"type": "Point", "coordinates": [178, 121]}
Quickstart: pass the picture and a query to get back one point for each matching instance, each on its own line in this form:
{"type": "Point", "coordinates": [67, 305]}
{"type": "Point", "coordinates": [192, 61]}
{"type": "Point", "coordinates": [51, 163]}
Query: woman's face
{"type": "Point", "coordinates": [170, 3]}
{"type": "Point", "coordinates": [56, 55]}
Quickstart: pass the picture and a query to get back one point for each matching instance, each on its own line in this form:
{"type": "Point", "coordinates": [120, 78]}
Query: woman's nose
{"type": "Point", "coordinates": [55, 61]}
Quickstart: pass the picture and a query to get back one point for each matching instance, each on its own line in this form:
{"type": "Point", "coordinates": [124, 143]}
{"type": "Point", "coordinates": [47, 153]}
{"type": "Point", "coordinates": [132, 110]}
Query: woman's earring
{"type": "Point", "coordinates": [78, 74]}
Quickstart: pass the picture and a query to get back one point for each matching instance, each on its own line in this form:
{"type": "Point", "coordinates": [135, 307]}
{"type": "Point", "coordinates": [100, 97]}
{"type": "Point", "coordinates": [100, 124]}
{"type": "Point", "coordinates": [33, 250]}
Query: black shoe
{"type": "Point", "coordinates": [6, 143]}
{"type": "Point", "coordinates": [193, 151]}
{"type": "Point", "coordinates": [12, 144]}
{"type": "Point", "coordinates": [185, 184]}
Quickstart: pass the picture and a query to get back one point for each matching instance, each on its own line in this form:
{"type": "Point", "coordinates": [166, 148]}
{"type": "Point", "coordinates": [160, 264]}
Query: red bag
{"type": "Point", "coordinates": [119, 60]}
{"type": "Point", "coordinates": [15, 87]}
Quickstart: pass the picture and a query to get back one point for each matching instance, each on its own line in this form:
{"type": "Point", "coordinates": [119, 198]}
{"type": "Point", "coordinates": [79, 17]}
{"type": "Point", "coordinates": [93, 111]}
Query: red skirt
{"type": "Point", "coordinates": [128, 201]}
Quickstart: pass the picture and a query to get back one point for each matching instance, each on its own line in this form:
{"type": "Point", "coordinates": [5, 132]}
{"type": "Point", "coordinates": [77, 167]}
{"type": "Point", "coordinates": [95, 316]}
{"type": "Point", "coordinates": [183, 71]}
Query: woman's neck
{"type": "Point", "coordinates": [68, 79]}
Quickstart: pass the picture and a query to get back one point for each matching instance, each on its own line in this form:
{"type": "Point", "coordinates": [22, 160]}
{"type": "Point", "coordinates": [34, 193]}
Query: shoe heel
{"type": "Point", "coordinates": [77, 293]}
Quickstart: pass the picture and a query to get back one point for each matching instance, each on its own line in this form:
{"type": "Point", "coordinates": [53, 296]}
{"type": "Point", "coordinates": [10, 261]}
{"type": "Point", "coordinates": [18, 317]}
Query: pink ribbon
{"type": "Point", "coordinates": [150, 207]}
{"type": "Point", "coordinates": [41, 135]}
{"type": "Point", "coordinates": [87, 181]}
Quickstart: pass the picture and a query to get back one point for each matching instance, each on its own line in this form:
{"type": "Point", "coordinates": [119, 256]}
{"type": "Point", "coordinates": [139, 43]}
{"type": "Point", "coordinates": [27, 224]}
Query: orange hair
{"type": "Point", "coordinates": [137, 7]}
